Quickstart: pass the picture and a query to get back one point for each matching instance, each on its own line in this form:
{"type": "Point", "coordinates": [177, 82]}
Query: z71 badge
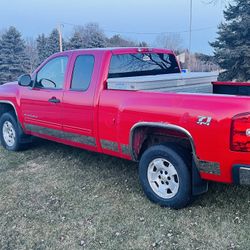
{"type": "Point", "coordinates": [204, 120]}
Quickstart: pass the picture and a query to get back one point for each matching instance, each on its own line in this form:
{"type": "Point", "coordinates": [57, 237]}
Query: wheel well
{"type": "Point", "coordinates": [145, 136]}
{"type": "Point", "coordinates": [6, 107]}
{"type": "Point", "coordinates": [149, 134]}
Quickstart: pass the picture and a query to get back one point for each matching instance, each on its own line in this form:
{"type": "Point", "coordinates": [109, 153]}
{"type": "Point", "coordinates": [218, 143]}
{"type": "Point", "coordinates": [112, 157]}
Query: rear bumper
{"type": "Point", "coordinates": [241, 174]}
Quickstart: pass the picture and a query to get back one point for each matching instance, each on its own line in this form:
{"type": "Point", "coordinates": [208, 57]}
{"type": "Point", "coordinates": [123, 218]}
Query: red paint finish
{"type": "Point", "coordinates": [37, 110]}
{"type": "Point", "coordinates": [109, 115]}
{"type": "Point", "coordinates": [78, 106]}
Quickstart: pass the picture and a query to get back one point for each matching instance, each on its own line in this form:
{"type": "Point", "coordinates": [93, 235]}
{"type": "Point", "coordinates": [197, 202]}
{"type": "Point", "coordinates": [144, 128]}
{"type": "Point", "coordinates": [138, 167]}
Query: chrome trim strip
{"type": "Point", "coordinates": [209, 167]}
{"type": "Point", "coordinates": [87, 140]}
{"type": "Point", "coordinates": [31, 116]}
{"type": "Point", "coordinates": [110, 145]}
{"type": "Point", "coordinates": [125, 149]}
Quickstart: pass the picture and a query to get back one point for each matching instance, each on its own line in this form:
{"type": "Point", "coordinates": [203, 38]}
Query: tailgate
{"type": "Point", "coordinates": [232, 88]}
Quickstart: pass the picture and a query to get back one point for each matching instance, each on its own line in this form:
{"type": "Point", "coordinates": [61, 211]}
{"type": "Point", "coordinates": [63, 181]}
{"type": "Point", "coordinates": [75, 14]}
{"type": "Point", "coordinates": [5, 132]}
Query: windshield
{"type": "Point", "coordinates": [142, 64]}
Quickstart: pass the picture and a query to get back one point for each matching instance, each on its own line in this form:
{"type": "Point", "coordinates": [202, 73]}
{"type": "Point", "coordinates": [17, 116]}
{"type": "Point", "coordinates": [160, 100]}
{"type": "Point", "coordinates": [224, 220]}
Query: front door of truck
{"type": "Point", "coordinates": [78, 99]}
{"type": "Point", "coordinates": [42, 104]}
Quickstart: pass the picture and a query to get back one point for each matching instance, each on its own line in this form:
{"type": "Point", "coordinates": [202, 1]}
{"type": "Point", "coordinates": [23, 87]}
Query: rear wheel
{"type": "Point", "coordinates": [11, 134]}
{"type": "Point", "coordinates": [165, 176]}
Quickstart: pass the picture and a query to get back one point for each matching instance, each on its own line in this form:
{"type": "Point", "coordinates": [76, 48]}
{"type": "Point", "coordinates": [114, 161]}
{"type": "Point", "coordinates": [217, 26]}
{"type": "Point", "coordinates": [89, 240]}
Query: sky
{"type": "Point", "coordinates": [138, 20]}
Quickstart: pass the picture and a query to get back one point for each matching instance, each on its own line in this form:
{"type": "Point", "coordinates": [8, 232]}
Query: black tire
{"type": "Point", "coordinates": [182, 195]}
{"type": "Point", "coordinates": [19, 135]}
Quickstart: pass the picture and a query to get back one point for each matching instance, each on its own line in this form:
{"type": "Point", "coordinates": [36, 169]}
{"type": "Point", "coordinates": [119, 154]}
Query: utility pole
{"type": "Point", "coordinates": [190, 33]}
{"type": "Point", "coordinates": [59, 28]}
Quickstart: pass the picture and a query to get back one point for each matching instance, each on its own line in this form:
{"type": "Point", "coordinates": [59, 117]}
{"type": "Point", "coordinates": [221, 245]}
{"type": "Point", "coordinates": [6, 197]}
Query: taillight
{"type": "Point", "coordinates": [240, 133]}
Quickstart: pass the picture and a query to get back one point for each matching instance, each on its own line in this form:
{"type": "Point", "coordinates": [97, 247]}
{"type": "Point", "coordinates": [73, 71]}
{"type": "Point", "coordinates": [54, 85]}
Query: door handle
{"type": "Point", "coordinates": [54, 100]}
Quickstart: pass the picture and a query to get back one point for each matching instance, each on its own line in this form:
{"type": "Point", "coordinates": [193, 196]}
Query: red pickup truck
{"type": "Point", "coordinates": [181, 140]}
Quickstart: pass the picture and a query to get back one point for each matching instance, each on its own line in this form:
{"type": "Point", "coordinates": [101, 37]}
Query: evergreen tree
{"type": "Point", "coordinates": [42, 48]}
{"type": "Point", "coordinates": [93, 36]}
{"type": "Point", "coordinates": [46, 46]}
{"type": "Point", "coordinates": [76, 41]}
{"type": "Point", "coordinates": [232, 47]}
{"type": "Point", "coordinates": [13, 60]}
{"type": "Point", "coordinates": [53, 42]}
{"type": "Point", "coordinates": [118, 41]}
{"type": "Point", "coordinates": [87, 36]}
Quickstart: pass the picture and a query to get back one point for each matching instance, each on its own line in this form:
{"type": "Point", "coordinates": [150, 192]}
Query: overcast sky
{"type": "Point", "coordinates": [135, 19]}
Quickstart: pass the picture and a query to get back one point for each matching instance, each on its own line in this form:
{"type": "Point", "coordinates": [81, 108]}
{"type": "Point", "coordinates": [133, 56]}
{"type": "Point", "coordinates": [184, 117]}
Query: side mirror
{"type": "Point", "coordinates": [25, 80]}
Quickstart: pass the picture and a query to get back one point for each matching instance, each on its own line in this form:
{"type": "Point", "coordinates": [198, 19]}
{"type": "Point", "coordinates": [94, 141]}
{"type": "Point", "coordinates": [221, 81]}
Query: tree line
{"type": "Point", "coordinates": [231, 47]}
{"type": "Point", "coordinates": [18, 56]}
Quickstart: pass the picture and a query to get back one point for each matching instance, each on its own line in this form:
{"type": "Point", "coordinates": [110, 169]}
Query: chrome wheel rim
{"type": "Point", "coordinates": [163, 178]}
{"type": "Point", "coordinates": [9, 133]}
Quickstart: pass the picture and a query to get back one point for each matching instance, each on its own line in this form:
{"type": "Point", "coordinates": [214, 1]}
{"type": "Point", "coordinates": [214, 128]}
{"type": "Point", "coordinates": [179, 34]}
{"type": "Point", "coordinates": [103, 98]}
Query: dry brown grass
{"type": "Point", "coordinates": [57, 197]}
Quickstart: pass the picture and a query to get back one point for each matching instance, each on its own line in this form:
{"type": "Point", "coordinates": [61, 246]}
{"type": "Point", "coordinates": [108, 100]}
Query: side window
{"type": "Point", "coordinates": [82, 72]}
{"type": "Point", "coordinates": [52, 74]}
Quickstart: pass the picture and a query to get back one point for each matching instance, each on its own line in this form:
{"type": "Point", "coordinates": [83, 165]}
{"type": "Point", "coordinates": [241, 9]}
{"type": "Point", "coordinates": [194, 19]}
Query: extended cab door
{"type": "Point", "coordinates": [79, 97]}
{"type": "Point", "coordinates": [42, 105]}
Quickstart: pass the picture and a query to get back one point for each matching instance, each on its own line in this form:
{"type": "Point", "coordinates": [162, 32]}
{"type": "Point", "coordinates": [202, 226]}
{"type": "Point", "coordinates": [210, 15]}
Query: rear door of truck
{"type": "Point", "coordinates": [78, 99]}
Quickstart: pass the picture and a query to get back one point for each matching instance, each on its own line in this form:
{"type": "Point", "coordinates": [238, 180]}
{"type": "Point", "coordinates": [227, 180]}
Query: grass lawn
{"type": "Point", "coordinates": [57, 197]}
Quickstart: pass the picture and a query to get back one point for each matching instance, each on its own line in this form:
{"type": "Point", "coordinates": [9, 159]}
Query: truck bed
{"type": "Point", "coordinates": [181, 82]}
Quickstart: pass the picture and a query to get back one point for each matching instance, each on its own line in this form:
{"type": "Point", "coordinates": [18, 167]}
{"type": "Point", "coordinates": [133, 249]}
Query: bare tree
{"type": "Point", "coordinates": [31, 52]}
{"type": "Point", "coordinates": [202, 62]}
{"type": "Point", "coordinates": [172, 41]}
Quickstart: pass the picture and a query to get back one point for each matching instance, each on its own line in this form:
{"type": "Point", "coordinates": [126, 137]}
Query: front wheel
{"type": "Point", "coordinates": [10, 133]}
{"type": "Point", "coordinates": [165, 176]}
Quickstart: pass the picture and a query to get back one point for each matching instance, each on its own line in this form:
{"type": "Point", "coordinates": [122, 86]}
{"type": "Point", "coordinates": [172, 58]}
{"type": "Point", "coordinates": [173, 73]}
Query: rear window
{"type": "Point", "coordinates": [141, 64]}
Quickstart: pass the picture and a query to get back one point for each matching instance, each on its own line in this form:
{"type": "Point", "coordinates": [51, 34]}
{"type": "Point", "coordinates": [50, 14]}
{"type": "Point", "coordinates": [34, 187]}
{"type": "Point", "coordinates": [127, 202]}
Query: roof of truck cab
{"type": "Point", "coordinates": [123, 48]}
{"type": "Point", "coordinates": [118, 50]}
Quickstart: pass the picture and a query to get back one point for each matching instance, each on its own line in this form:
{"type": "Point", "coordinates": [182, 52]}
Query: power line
{"type": "Point", "coordinates": [150, 33]}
